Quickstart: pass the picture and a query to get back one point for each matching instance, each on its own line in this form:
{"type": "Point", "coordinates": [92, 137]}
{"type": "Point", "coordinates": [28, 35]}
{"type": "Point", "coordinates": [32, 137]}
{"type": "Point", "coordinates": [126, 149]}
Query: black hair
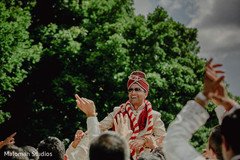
{"type": "Point", "coordinates": [215, 141]}
{"type": "Point", "coordinates": [31, 152]}
{"type": "Point", "coordinates": [51, 148]}
{"type": "Point", "coordinates": [230, 130]}
{"type": "Point", "coordinates": [109, 145]}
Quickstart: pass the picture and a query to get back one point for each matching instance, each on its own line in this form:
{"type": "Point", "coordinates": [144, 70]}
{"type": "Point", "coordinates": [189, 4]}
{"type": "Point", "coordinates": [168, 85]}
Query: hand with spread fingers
{"type": "Point", "coordinates": [217, 91]}
{"type": "Point", "coordinates": [121, 125]}
{"type": "Point", "coordinates": [86, 105]}
{"type": "Point", "coordinates": [211, 79]}
{"type": "Point", "coordinates": [78, 137]}
{"type": "Point", "coordinates": [8, 140]}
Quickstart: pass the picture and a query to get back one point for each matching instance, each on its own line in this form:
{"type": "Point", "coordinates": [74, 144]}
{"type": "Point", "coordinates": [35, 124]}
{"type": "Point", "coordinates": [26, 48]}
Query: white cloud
{"type": "Point", "coordinates": [175, 5]}
{"type": "Point", "coordinates": [218, 25]}
{"type": "Point", "coordinates": [204, 9]}
{"type": "Point", "coordinates": [216, 39]}
{"type": "Point", "coordinates": [143, 7]}
{"type": "Point", "coordinates": [221, 38]}
{"type": "Point", "coordinates": [165, 3]}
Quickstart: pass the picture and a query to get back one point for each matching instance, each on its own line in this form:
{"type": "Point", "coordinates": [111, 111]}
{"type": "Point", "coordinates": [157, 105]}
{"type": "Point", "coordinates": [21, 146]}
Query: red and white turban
{"type": "Point", "coordinates": [138, 78]}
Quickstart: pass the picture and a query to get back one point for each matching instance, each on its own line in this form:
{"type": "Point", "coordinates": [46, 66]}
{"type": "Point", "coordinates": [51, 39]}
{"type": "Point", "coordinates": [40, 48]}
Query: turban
{"type": "Point", "coordinates": [138, 78]}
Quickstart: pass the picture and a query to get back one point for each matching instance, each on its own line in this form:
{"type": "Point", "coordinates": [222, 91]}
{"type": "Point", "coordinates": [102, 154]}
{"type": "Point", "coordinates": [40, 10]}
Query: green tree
{"type": "Point", "coordinates": [16, 50]}
{"type": "Point", "coordinates": [90, 47]}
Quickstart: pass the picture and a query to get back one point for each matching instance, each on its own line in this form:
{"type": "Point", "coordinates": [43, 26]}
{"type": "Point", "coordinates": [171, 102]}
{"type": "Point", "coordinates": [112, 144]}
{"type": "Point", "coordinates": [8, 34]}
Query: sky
{"type": "Point", "coordinates": [218, 25]}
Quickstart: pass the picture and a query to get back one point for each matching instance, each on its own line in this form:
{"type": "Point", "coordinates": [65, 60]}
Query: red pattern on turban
{"type": "Point", "coordinates": [138, 78]}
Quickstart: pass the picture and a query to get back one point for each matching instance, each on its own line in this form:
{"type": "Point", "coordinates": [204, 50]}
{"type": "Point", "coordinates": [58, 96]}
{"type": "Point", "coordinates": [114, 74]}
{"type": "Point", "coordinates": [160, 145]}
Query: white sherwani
{"type": "Point", "coordinates": [158, 125]}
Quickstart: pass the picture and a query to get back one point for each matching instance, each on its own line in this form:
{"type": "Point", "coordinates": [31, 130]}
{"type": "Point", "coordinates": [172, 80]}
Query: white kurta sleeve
{"type": "Point", "coordinates": [221, 112]}
{"type": "Point", "coordinates": [176, 143]}
{"type": "Point", "coordinates": [82, 149]}
{"type": "Point", "coordinates": [93, 129]}
{"type": "Point", "coordinates": [69, 150]}
{"type": "Point", "coordinates": [80, 152]}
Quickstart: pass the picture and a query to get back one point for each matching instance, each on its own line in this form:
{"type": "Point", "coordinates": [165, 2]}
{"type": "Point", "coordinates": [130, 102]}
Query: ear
{"type": "Point", "coordinates": [146, 94]}
{"type": "Point", "coordinates": [213, 154]}
{"type": "Point", "coordinates": [225, 144]}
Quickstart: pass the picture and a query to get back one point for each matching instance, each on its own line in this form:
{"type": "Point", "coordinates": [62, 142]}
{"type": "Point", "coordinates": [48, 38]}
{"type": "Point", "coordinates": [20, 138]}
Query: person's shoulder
{"type": "Point", "coordinates": [155, 112]}
{"type": "Point", "coordinates": [116, 108]}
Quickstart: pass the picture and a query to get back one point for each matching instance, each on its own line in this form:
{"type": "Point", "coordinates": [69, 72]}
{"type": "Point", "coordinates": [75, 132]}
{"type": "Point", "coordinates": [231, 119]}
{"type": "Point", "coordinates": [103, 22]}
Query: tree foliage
{"type": "Point", "coordinates": [89, 48]}
{"type": "Point", "coordinates": [16, 50]}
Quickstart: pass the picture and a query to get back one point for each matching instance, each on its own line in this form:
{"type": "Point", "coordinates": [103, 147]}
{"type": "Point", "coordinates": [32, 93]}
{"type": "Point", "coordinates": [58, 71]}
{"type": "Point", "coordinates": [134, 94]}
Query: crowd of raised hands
{"type": "Point", "coordinates": [96, 144]}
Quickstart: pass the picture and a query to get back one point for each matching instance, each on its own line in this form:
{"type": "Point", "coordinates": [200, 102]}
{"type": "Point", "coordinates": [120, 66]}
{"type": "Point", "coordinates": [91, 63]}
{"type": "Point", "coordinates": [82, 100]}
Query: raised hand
{"type": "Point", "coordinates": [78, 137]}
{"type": "Point", "coordinates": [8, 140]}
{"type": "Point", "coordinates": [121, 125]}
{"type": "Point", "coordinates": [215, 88]}
{"type": "Point", "coordinates": [86, 105]}
{"type": "Point", "coordinates": [211, 79]}
{"type": "Point", "coordinates": [220, 97]}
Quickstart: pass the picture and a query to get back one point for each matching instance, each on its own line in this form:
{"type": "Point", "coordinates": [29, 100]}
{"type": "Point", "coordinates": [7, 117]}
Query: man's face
{"type": "Point", "coordinates": [136, 95]}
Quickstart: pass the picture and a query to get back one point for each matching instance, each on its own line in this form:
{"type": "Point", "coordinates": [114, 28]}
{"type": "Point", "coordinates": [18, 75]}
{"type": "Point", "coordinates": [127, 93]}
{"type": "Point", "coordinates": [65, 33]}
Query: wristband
{"type": "Point", "coordinates": [230, 107]}
{"type": "Point", "coordinates": [202, 97]}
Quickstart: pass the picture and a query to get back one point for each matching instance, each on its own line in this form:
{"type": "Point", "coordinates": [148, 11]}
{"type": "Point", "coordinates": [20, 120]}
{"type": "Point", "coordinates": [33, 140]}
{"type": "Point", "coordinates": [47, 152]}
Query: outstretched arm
{"type": "Point", "coordinates": [8, 140]}
{"type": "Point", "coordinates": [88, 107]}
{"type": "Point", "coordinates": [190, 119]}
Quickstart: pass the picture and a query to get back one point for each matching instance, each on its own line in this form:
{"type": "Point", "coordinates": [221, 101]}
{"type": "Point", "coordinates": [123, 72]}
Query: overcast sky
{"type": "Point", "coordinates": [218, 24]}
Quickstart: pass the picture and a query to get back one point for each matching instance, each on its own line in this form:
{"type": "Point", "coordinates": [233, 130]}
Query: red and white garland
{"type": "Point", "coordinates": [149, 124]}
